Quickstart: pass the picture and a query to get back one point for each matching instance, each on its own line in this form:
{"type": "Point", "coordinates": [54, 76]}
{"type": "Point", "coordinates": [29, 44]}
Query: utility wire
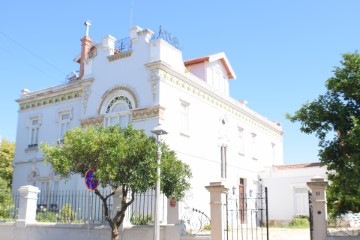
{"type": "Point", "coordinates": [31, 52]}
{"type": "Point", "coordinates": [29, 64]}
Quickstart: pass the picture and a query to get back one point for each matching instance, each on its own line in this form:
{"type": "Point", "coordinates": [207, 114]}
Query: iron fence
{"type": "Point", "coordinates": [344, 225]}
{"type": "Point", "coordinates": [79, 206]}
{"type": "Point", "coordinates": [9, 206]}
{"type": "Point", "coordinates": [247, 216]}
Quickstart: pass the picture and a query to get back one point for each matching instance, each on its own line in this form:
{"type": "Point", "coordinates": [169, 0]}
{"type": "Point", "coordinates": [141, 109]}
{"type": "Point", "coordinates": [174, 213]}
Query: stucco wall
{"type": "Point", "coordinates": [155, 73]}
{"type": "Point", "coordinates": [56, 231]}
{"type": "Point", "coordinates": [281, 184]}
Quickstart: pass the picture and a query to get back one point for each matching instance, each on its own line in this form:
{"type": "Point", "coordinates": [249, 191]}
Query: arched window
{"type": "Point", "coordinates": [118, 111]}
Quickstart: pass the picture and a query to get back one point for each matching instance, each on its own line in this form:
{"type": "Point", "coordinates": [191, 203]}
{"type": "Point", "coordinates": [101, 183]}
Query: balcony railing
{"type": "Point", "coordinates": [167, 36]}
{"type": "Point", "coordinates": [125, 44]}
{"type": "Point", "coordinates": [33, 146]}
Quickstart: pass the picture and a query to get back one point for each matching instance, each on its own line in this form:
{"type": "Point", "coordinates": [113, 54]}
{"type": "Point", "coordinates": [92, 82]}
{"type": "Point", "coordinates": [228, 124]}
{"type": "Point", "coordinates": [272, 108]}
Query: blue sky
{"type": "Point", "coordinates": [281, 51]}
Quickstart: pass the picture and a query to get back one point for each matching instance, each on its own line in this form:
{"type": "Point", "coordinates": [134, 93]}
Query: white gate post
{"type": "Point", "coordinates": [218, 193]}
{"type": "Point", "coordinates": [27, 205]}
{"type": "Point", "coordinates": [318, 198]}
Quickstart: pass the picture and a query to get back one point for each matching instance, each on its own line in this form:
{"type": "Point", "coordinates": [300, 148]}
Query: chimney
{"type": "Point", "coordinates": [85, 47]}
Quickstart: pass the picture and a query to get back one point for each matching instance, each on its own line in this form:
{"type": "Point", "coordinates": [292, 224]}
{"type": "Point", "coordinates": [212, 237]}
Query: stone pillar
{"type": "Point", "coordinates": [108, 44]}
{"type": "Point", "coordinates": [218, 193]}
{"type": "Point", "coordinates": [27, 205]}
{"type": "Point", "coordinates": [173, 216]}
{"type": "Point", "coordinates": [318, 198]}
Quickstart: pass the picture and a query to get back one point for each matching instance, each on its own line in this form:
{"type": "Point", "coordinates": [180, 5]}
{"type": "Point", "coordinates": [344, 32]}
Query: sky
{"type": "Point", "coordinates": [282, 51]}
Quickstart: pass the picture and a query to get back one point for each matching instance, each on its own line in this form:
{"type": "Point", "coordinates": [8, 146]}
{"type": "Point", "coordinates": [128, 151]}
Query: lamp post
{"type": "Point", "coordinates": [158, 131]}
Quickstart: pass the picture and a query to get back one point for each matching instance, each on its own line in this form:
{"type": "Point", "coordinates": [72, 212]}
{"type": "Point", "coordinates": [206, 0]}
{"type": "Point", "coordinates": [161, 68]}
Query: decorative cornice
{"type": "Point", "coordinates": [190, 84]}
{"type": "Point", "coordinates": [53, 95]}
{"type": "Point", "coordinates": [118, 88]}
{"type": "Point", "coordinates": [51, 100]}
{"type": "Point", "coordinates": [85, 96]}
{"type": "Point", "coordinates": [119, 56]}
{"type": "Point", "coordinates": [145, 113]}
{"type": "Point", "coordinates": [98, 120]}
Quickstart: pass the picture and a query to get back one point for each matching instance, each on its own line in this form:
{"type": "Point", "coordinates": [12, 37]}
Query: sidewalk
{"type": "Point", "coordinates": [289, 234]}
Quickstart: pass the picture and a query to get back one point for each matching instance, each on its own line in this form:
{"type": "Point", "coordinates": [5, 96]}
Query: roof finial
{"type": "Point", "coordinates": [87, 24]}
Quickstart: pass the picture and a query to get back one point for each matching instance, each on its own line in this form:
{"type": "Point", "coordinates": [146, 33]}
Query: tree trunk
{"type": "Point", "coordinates": [114, 233]}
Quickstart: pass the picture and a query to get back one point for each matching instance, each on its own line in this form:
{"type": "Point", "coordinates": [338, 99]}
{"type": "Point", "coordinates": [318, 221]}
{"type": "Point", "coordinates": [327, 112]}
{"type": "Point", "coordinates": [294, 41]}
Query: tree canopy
{"type": "Point", "coordinates": [121, 158]}
{"type": "Point", "coordinates": [7, 151]}
{"type": "Point", "coordinates": [334, 118]}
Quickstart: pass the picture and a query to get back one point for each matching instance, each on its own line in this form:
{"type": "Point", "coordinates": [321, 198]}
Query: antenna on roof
{"type": "Point", "coordinates": [87, 24]}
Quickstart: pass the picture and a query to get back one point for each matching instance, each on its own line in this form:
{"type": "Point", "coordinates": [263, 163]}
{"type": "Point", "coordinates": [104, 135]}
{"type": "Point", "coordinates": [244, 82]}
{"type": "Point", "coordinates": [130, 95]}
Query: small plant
{"type": "Point", "coordinates": [46, 216]}
{"type": "Point", "coordinates": [137, 219]}
{"type": "Point", "coordinates": [207, 227]}
{"type": "Point", "coordinates": [67, 214]}
{"type": "Point", "coordinates": [299, 222]}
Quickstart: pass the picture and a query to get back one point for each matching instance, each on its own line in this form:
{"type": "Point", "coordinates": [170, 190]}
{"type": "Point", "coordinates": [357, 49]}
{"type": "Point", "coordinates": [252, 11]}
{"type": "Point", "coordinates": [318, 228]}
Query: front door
{"type": "Point", "coordinates": [242, 200]}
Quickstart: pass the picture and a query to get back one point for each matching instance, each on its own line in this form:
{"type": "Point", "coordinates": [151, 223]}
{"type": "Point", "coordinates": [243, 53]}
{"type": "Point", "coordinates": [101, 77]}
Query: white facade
{"type": "Point", "coordinates": [287, 189]}
{"type": "Point", "coordinates": [150, 84]}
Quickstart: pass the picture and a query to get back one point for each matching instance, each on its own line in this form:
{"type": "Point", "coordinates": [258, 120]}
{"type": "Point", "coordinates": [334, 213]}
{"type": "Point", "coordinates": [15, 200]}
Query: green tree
{"type": "Point", "coordinates": [7, 151]}
{"type": "Point", "coordinates": [334, 118]}
{"type": "Point", "coordinates": [122, 158]}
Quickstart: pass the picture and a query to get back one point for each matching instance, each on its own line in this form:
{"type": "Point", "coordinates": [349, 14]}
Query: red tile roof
{"type": "Point", "coordinates": [297, 166]}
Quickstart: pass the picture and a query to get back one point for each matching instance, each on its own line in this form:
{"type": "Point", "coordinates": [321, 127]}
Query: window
{"type": "Point", "coordinates": [64, 124]}
{"type": "Point", "coordinates": [184, 117]}
{"type": "Point", "coordinates": [223, 162]}
{"type": "Point", "coordinates": [34, 132]}
{"type": "Point", "coordinates": [118, 112]}
{"type": "Point", "coordinates": [241, 140]}
{"type": "Point", "coordinates": [254, 146]}
{"type": "Point", "coordinates": [301, 201]}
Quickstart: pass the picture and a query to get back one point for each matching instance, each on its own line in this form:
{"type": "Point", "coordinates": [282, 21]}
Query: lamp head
{"type": "Point", "coordinates": [158, 130]}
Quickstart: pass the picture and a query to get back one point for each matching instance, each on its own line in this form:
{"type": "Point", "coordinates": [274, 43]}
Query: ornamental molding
{"type": "Point", "coordinates": [53, 95]}
{"type": "Point", "coordinates": [114, 89]}
{"type": "Point", "coordinates": [51, 100]}
{"type": "Point", "coordinates": [154, 81]}
{"type": "Point", "coordinates": [195, 86]}
{"type": "Point", "coordinates": [91, 54]}
{"type": "Point", "coordinates": [85, 96]}
{"type": "Point", "coordinates": [119, 56]}
{"type": "Point", "coordinates": [145, 113]}
{"type": "Point", "coordinates": [98, 120]}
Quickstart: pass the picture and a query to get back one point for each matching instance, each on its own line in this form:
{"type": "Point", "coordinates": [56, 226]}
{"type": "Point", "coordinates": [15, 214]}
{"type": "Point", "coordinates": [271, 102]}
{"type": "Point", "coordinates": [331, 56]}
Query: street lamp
{"type": "Point", "coordinates": [158, 131]}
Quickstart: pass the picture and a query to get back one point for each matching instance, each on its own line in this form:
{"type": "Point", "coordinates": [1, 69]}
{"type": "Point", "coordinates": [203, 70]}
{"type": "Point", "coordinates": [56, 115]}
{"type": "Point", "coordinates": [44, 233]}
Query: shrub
{"type": "Point", "coordinates": [137, 219]}
{"type": "Point", "coordinates": [207, 227]}
{"type": "Point", "coordinates": [300, 222]}
{"type": "Point", "coordinates": [67, 214]}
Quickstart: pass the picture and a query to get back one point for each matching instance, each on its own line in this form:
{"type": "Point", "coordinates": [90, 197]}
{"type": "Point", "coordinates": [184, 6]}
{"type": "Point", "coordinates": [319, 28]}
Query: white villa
{"type": "Point", "coordinates": [143, 80]}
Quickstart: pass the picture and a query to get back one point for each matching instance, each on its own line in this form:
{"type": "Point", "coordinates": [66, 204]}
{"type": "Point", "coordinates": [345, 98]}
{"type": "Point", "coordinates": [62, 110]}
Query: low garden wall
{"type": "Point", "coordinates": [61, 231]}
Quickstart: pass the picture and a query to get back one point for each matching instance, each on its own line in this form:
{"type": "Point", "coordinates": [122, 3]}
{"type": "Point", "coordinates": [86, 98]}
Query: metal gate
{"type": "Point", "coordinates": [311, 218]}
{"type": "Point", "coordinates": [247, 216]}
